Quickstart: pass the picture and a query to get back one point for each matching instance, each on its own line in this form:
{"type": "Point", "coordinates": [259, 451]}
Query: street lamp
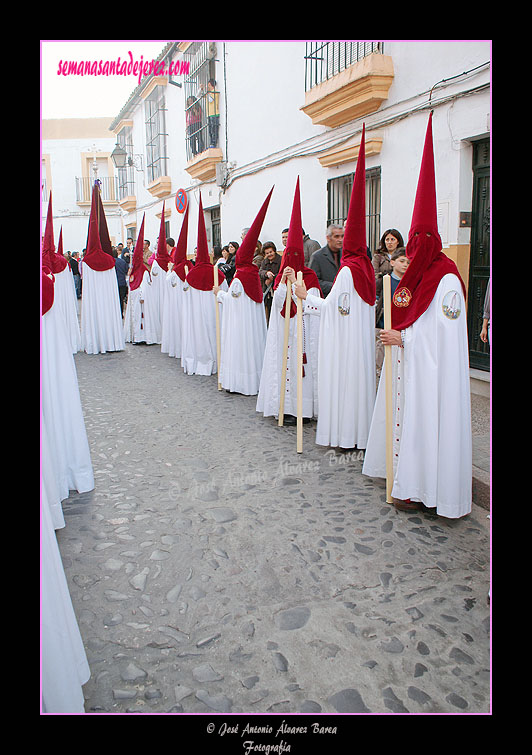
{"type": "Point", "coordinates": [119, 156]}
{"type": "Point", "coordinates": [121, 159]}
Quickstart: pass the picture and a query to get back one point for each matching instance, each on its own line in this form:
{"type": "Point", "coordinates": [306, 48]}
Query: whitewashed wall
{"type": "Point", "coordinates": [65, 165]}
{"type": "Point", "coordinates": [266, 130]}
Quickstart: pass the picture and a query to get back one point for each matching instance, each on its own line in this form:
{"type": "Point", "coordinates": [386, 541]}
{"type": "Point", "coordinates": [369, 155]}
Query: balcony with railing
{"type": "Point", "coordinates": [108, 187]}
{"type": "Point", "coordinates": [202, 112]}
{"type": "Point", "coordinates": [345, 80]}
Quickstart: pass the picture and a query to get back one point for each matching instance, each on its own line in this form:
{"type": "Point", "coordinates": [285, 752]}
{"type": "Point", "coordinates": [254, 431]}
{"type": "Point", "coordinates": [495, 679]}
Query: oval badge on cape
{"type": "Point", "coordinates": [344, 304]}
{"type": "Point", "coordinates": [402, 297]}
{"type": "Point", "coordinates": [451, 305]}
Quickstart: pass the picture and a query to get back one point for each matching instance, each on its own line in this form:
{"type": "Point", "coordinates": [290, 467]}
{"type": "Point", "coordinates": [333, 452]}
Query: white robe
{"type": "Point", "coordinates": [346, 364]}
{"type": "Point", "coordinates": [154, 290]}
{"type": "Point", "coordinates": [67, 452]}
{"type": "Point", "coordinates": [133, 319]}
{"type": "Point", "coordinates": [173, 306]}
{"type": "Point", "coordinates": [64, 661]}
{"type": "Point", "coordinates": [432, 445]}
{"type": "Point", "coordinates": [66, 300]}
{"type": "Point", "coordinates": [243, 340]}
{"type": "Point", "coordinates": [101, 318]}
{"type": "Point", "coordinates": [151, 307]}
{"type": "Point", "coordinates": [198, 333]}
{"type": "Point", "coordinates": [270, 382]}
{"type": "Point", "coordinates": [49, 481]}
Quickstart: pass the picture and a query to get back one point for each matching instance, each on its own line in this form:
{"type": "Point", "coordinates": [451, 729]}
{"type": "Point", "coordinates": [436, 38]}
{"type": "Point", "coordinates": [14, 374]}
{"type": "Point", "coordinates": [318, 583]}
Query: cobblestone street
{"type": "Point", "coordinates": [215, 570]}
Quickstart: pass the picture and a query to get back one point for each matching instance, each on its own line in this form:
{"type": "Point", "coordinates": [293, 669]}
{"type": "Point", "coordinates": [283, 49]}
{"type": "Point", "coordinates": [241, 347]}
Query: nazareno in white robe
{"type": "Point", "coordinates": [154, 290]}
{"type": "Point", "coordinates": [432, 445]}
{"type": "Point", "coordinates": [172, 315]}
{"type": "Point", "coordinates": [150, 298]}
{"type": "Point", "coordinates": [270, 383]}
{"type": "Point", "coordinates": [67, 454]}
{"type": "Point", "coordinates": [133, 320]}
{"type": "Point", "coordinates": [102, 329]}
{"type": "Point", "coordinates": [64, 666]}
{"type": "Point", "coordinates": [243, 340]}
{"type": "Point", "coordinates": [66, 300]}
{"type": "Point", "coordinates": [198, 332]}
{"type": "Point", "coordinates": [346, 364]}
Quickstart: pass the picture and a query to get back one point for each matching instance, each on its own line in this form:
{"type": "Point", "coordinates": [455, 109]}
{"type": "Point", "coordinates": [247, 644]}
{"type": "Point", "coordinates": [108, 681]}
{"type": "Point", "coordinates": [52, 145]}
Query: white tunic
{"type": "Point", "coordinates": [49, 480]}
{"type": "Point", "coordinates": [172, 315]}
{"type": "Point", "coordinates": [154, 291]}
{"type": "Point", "coordinates": [101, 318]}
{"type": "Point", "coordinates": [432, 446]}
{"type": "Point", "coordinates": [198, 333]}
{"type": "Point", "coordinates": [150, 298]}
{"type": "Point", "coordinates": [64, 661]}
{"type": "Point", "coordinates": [66, 301]}
{"type": "Point", "coordinates": [133, 319]}
{"type": "Point", "coordinates": [346, 364]}
{"type": "Point", "coordinates": [270, 382]}
{"type": "Point", "coordinates": [243, 340]}
{"type": "Point", "coordinates": [67, 453]}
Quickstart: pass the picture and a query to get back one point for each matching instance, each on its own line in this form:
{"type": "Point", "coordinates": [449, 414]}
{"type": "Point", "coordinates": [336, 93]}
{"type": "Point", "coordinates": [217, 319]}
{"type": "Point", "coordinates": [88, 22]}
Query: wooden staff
{"type": "Point", "coordinates": [287, 305]}
{"type": "Point", "coordinates": [218, 345]}
{"type": "Point", "coordinates": [299, 316]}
{"type": "Point", "coordinates": [387, 295]}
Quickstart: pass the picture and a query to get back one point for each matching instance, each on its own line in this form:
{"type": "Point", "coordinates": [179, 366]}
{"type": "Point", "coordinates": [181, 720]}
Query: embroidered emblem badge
{"type": "Point", "coordinates": [451, 305]}
{"type": "Point", "coordinates": [236, 290]}
{"type": "Point", "coordinates": [402, 297]}
{"type": "Point", "coordinates": [343, 304]}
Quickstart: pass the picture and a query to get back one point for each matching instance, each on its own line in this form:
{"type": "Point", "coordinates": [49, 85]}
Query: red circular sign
{"type": "Point", "coordinates": [181, 200]}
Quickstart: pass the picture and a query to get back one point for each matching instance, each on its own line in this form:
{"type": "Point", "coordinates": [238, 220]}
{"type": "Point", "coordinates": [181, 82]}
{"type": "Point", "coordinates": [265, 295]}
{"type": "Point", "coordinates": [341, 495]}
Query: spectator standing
{"type": "Point", "coordinates": [309, 247]}
{"type": "Point", "coordinates": [326, 261]}
{"type": "Point", "coordinates": [268, 272]}
{"type": "Point", "coordinates": [121, 269]}
{"type": "Point", "coordinates": [74, 266]}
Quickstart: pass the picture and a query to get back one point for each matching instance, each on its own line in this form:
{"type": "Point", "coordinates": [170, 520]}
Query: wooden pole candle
{"type": "Point", "coordinates": [299, 316]}
{"type": "Point", "coordinates": [387, 295]}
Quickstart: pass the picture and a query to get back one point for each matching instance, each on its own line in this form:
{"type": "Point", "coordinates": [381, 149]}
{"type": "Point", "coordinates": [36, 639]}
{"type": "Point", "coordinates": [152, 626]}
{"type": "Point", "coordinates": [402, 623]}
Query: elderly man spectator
{"type": "Point", "coordinates": [326, 261]}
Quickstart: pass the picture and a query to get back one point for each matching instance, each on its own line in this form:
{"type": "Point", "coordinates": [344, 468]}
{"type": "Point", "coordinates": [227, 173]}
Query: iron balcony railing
{"type": "Point", "coordinates": [325, 59]}
{"type": "Point", "coordinates": [108, 187]}
{"type": "Point", "coordinates": [202, 112]}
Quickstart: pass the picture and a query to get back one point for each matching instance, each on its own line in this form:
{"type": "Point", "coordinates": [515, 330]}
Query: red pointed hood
{"type": "Point", "coordinates": [137, 265]}
{"type": "Point", "coordinates": [162, 258]}
{"type": "Point", "coordinates": [246, 271]}
{"type": "Point", "coordinates": [293, 255]}
{"type": "Point", "coordinates": [179, 253]}
{"type": "Point", "coordinates": [354, 248]}
{"type": "Point", "coordinates": [95, 257]}
{"type": "Point", "coordinates": [58, 261]}
{"type": "Point", "coordinates": [428, 264]}
{"type": "Point", "coordinates": [47, 292]}
{"type": "Point", "coordinates": [48, 246]}
{"type": "Point", "coordinates": [105, 239]}
{"type": "Point", "coordinates": [201, 276]}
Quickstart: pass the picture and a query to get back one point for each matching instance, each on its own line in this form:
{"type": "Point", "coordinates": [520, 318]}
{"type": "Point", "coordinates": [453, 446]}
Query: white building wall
{"type": "Point", "coordinates": [65, 164]}
{"type": "Point", "coordinates": [267, 140]}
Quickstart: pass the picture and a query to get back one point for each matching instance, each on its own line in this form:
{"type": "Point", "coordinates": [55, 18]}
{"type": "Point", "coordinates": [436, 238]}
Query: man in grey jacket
{"type": "Point", "coordinates": [326, 261]}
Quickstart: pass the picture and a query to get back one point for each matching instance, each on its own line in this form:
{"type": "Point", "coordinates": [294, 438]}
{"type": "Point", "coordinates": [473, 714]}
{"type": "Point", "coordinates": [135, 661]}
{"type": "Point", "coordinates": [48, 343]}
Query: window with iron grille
{"type": "Point", "coordinates": [154, 111]}
{"type": "Point", "coordinates": [339, 196]}
{"type": "Point", "coordinates": [325, 59]}
{"type": "Point", "coordinates": [126, 176]}
{"type": "Point", "coordinates": [201, 99]}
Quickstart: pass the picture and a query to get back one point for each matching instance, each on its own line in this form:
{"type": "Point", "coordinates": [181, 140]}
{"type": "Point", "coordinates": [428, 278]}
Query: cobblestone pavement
{"type": "Point", "coordinates": [215, 570]}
